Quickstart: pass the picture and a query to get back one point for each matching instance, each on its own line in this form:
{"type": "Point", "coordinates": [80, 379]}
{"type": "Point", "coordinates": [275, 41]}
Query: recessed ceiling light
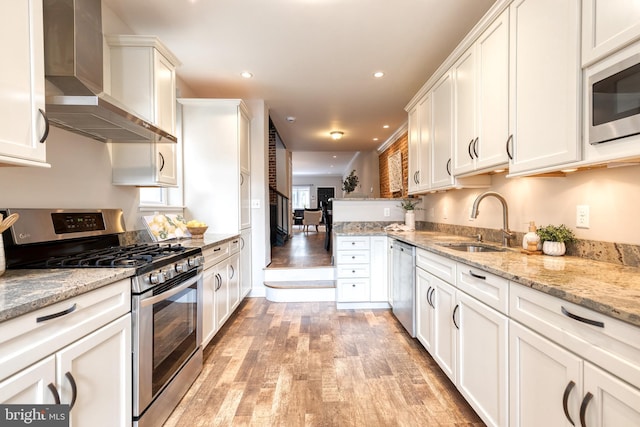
{"type": "Point", "coordinates": [378, 74]}
{"type": "Point", "coordinates": [385, 127]}
{"type": "Point", "coordinates": [246, 74]}
{"type": "Point", "coordinates": [335, 157]}
{"type": "Point", "coordinates": [375, 139]}
{"type": "Point", "coordinates": [336, 134]}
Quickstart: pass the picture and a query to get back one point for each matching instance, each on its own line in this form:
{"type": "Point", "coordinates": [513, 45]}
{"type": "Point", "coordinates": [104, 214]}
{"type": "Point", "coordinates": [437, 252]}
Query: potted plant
{"type": "Point", "coordinates": [409, 206]}
{"type": "Point", "coordinates": [554, 237]}
{"type": "Point", "coordinates": [351, 182]}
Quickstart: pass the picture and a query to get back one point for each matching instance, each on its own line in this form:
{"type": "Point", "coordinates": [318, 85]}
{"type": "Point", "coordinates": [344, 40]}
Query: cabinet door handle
{"type": "Point", "coordinates": [55, 315]}
{"type": "Point", "coordinates": [475, 146]}
{"type": "Point", "coordinates": [241, 179]}
{"type": "Point", "coordinates": [454, 316]}
{"type": "Point", "coordinates": [233, 272]}
{"type": "Point", "coordinates": [565, 400]}
{"type": "Point", "coordinates": [583, 408]}
{"type": "Point", "coordinates": [433, 303]}
{"type": "Point", "coordinates": [477, 276]}
{"type": "Point", "coordinates": [54, 391]}
{"type": "Point", "coordinates": [581, 319]}
{"type": "Point", "coordinates": [161, 162]}
{"type": "Point", "coordinates": [508, 146]}
{"type": "Point", "coordinates": [74, 389]}
{"type": "Point", "coordinates": [428, 292]}
{"type": "Point", "coordinates": [449, 166]}
{"type": "Point", "coordinates": [469, 149]}
{"type": "Point", "coordinates": [46, 126]}
{"type": "Point", "coordinates": [242, 243]}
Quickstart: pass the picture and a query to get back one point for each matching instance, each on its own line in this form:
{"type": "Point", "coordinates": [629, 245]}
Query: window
{"type": "Point", "coordinates": [300, 197]}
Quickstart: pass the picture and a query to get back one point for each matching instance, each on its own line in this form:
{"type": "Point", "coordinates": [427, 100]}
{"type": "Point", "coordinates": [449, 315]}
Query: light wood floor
{"type": "Point", "coordinates": [304, 249]}
{"type": "Point", "coordinates": [309, 364]}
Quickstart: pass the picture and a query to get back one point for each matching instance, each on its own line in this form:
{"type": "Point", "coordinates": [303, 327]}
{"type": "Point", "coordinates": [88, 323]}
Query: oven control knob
{"type": "Point", "coordinates": [194, 262]}
{"type": "Point", "coordinates": [182, 266]}
{"type": "Point", "coordinates": [169, 273]}
{"type": "Point", "coordinates": [156, 278]}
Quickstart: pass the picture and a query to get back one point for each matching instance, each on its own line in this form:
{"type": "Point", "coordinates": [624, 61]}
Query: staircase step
{"type": "Point", "coordinates": [302, 284]}
{"type": "Point", "coordinates": [299, 274]}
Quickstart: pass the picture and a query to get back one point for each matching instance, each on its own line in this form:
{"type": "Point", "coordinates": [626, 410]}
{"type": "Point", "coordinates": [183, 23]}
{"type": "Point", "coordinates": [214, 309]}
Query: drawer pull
{"type": "Point", "coordinates": [353, 257]}
{"type": "Point", "coordinates": [565, 400]}
{"type": "Point", "coordinates": [58, 314]}
{"type": "Point", "coordinates": [477, 276]}
{"type": "Point", "coordinates": [74, 389]}
{"type": "Point", "coordinates": [454, 316]}
{"type": "Point", "coordinates": [583, 408]}
{"type": "Point", "coordinates": [581, 319]}
{"type": "Point", "coordinates": [217, 249]}
{"type": "Point", "coordinates": [54, 391]}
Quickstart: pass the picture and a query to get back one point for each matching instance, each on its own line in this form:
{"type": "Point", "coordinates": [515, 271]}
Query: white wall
{"type": "Point", "coordinates": [315, 181]}
{"type": "Point", "coordinates": [79, 177]}
{"type": "Point", "coordinates": [612, 195]}
{"type": "Point", "coordinates": [368, 172]}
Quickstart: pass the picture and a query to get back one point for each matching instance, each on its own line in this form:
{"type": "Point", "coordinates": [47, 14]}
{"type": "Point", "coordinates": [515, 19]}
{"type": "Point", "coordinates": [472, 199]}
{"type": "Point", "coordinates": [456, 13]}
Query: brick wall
{"type": "Point", "coordinates": [402, 145]}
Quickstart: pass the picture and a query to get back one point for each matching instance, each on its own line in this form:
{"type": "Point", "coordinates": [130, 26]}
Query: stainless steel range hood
{"type": "Point", "coordinates": [74, 72]}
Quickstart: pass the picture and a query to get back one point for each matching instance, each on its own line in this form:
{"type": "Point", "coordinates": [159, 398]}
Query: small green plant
{"type": "Point", "coordinates": [556, 233]}
{"type": "Point", "coordinates": [351, 182]}
{"type": "Point", "coordinates": [409, 204]}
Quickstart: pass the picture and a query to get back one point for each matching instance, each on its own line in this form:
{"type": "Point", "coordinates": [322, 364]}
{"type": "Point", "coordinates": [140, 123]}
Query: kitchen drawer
{"type": "Point", "coordinates": [352, 242]}
{"type": "Point", "coordinates": [214, 255]}
{"type": "Point", "coordinates": [352, 257]}
{"type": "Point", "coordinates": [357, 290]}
{"type": "Point", "coordinates": [439, 266]}
{"type": "Point", "coordinates": [352, 270]}
{"type": "Point", "coordinates": [26, 339]}
{"type": "Point", "coordinates": [485, 287]}
{"type": "Point", "coordinates": [234, 246]}
{"type": "Point", "coordinates": [612, 344]}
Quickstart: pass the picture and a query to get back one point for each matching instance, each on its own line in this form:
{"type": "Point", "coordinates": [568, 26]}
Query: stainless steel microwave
{"type": "Point", "coordinates": [613, 97]}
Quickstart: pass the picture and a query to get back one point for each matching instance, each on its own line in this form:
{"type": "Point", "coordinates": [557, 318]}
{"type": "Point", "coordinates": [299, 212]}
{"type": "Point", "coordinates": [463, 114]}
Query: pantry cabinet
{"type": "Point", "coordinates": [607, 25]}
{"type": "Point", "coordinates": [481, 102]}
{"type": "Point", "coordinates": [143, 79]}
{"type": "Point", "coordinates": [47, 360]}
{"type": "Point", "coordinates": [544, 84]}
{"type": "Point", "coordinates": [23, 123]}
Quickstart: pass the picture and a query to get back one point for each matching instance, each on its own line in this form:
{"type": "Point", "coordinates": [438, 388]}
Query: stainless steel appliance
{"type": "Point", "coordinates": [166, 294]}
{"type": "Point", "coordinates": [403, 284]}
{"type": "Point", "coordinates": [74, 70]}
{"type": "Point", "coordinates": [613, 96]}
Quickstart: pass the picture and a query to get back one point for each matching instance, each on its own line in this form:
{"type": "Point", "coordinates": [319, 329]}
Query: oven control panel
{"type": "Point", "coordinates": [168, 272]}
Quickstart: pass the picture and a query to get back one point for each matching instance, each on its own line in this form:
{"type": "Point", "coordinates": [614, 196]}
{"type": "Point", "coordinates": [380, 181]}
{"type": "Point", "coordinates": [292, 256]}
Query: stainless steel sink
{"type": "Point", "coordinates": [472, 247]}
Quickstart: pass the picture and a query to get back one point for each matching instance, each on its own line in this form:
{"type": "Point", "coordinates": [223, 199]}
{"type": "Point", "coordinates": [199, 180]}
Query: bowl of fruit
{"type": "Point", "coordinates": [197, 229]}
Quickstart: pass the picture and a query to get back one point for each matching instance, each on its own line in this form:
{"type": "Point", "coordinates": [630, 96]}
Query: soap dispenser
{"type": "Point", "coordinates": [531, 241]}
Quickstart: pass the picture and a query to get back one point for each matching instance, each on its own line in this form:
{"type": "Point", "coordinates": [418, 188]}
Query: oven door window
{"type": "Point", "coordinates": [617, 96]}
{"type": "Point", "coordinates": [174, 334]}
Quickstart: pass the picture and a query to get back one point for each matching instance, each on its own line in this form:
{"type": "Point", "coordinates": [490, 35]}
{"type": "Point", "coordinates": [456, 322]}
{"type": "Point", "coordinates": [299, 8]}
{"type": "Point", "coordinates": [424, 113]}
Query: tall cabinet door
{"type": "Point", "coordinates": [441, 173]}
{"type": "Point", "coordinates": [22, 83]}
{"type": "Point", "coordinates": [464, 72]}
{"type": "Point", "coordinates": [100, 366]}
{"type": "Point", "coordinates": [445, 332]}
{"type": "Point", "coordinates": [544, 83]}
{"type": "Point", "coordinates": [544, 379]}
{"type": "Point", "coordinates": [424, 309]}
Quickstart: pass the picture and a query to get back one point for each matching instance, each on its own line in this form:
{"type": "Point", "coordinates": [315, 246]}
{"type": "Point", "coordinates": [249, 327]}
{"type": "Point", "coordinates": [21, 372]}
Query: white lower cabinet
{"type": "Point", "coordinates": [614, 402]}
{"type": "Point", "coordinates": [425, 308]}
{"type": "Point", "coordinates": [445, 332]}
{"type": "Point", "coordinates": [91, 373]}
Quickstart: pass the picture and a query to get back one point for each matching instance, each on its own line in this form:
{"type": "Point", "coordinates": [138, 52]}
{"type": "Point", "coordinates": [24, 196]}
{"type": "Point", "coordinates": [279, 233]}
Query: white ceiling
{"type": "Point", "coordinates": [311, 59]}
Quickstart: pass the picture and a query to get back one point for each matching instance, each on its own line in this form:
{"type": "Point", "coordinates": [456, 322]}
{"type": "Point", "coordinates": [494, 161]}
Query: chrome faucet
{"type": "Point", "coordinates": [506, 233]}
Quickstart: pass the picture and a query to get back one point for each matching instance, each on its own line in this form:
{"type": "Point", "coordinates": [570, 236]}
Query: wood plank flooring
{"type": "Point", "coordinates": [309, 364]}
{"type": "Point", "coordinates": [304, 249]}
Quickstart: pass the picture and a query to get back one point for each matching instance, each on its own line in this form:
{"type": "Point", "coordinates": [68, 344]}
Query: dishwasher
{"type": "Point", "coordinates": [403, 284]}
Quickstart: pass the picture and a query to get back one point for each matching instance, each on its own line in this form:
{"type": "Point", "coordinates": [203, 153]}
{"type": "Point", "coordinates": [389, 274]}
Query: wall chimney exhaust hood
{"type": "Point", "coordinates": [75, 100]}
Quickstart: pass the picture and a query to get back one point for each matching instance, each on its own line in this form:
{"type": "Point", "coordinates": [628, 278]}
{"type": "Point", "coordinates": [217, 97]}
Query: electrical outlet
{"type": "Point", "coordinates": [387, 212]}
{"type": "Point", "coordinates": [255, 203]}
{"type": "Point", "coordinates": [582, 216]}
{"type": "Point", "coordinates": [445, 213]}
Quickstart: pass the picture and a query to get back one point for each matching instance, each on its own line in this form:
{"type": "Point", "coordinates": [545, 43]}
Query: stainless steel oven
{"type": "Point", "coordinates": [613, 96]}
{"type": "Point", "coordinates": [166, 350]}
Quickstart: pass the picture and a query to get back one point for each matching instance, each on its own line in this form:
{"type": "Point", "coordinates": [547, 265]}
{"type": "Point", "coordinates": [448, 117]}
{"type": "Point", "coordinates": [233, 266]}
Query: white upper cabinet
{"type": "Point", "coordinates": [544, 84]}
{"type": "Point", "coordinates": [420, 125]}
{"type": "Point", "coordinates": [481, 101]}
{"type": "Point", "coordinates": [143, 79]}
{"type": "Point", "coordinates": [608, 25]}
{"type": "Point", "coordinates": [441, 176]}
{"type": "Point", "coordinates": [23, 126]}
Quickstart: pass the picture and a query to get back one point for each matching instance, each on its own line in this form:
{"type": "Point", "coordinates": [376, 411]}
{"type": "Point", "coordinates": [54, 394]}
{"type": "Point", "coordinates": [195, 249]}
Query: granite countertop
{"type": "Point", "coordinates": [23, 291]}
{"type": "Point", "coordinates": [606, 288]}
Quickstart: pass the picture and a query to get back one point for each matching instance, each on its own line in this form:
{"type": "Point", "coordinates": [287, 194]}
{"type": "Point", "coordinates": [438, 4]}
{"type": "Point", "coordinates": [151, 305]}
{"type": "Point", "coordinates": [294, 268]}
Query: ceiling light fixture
{"type": "Point", "coordinates": [375, 139]}
{"type": "Point", "coordinates": [385, 127]}
{"type": "Point", "coordinates": [336, 134]}
{"type": "Point", "coordinates": [246, 74]}
{"type": "Point", "coordinates": [378, 74]}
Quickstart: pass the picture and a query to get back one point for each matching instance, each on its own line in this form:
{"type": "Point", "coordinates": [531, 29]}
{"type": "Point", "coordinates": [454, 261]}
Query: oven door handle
{"type": "Point", "coordinates": [171, 292]}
